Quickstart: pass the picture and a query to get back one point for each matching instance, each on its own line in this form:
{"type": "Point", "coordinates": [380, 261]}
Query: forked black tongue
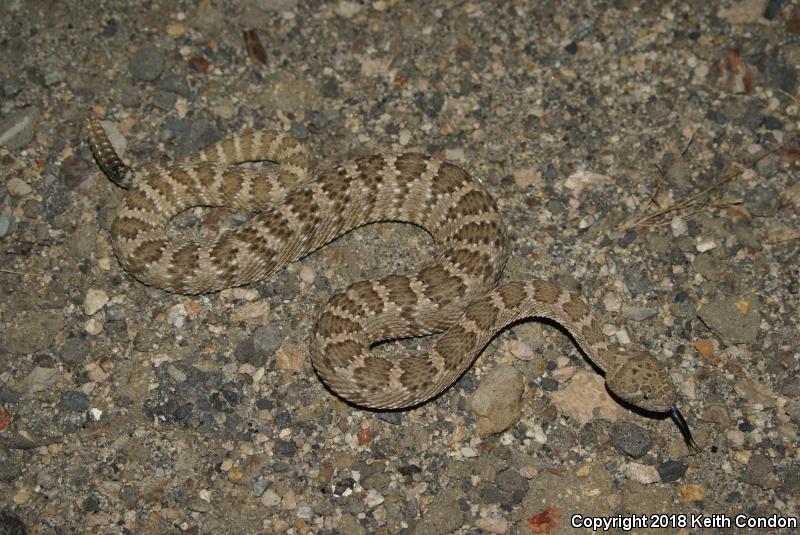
{"type": "Point", "coordinates": [684, 427]}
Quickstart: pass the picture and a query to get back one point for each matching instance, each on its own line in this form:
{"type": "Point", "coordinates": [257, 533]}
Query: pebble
{"type": "Point", "coordinates": [147, 64]}
{"type": "Point", "coordinates": [196, 135]}
{"type": "Point", "coordinates": [5, 221]}
{"type": "Point", "coordinates": [252, 313]}
{"type": "Point", "coordinates": [270, 498]}
{"type": "Point", "coordinates": [34, 333]}
{"type": "Point", "coordinates": [581, 179]}
{"type": "Point", "coordinates": [350, 525]}
{"type": "Point", "coordinates": [734, 319]}
{"type": "Point", "coordinates": [705, 347]}
{"type": "Point", "coordinates": [18, 188]}
{"type": "Point", "coordinates": [73, 171]}
{"type": "Point", "coordinates": [676, 170]}
{"type": "Point", "coordinates": [260, 486]}
{"type": "Point", "coordinates": [735, 437]}
{"type": "Point", "coordinates": [641, 473]}
{"type": "Point", "coordinates": [443, 514]}
{"type": "Point", "coordinates": [307, 275]}
{"type": "Point", "coordinates": [521, 350]}
{"type": "Point", "coordinates": [671, 471]}
{"type": "Point", "coordinates": [742, 456]}
{"type": "Point", "coordinates": [7, 395]}
{"type": "Point", "coordinates": [612, 302]}
{"type": "Point", "coordinates": [245, 351]}
{"type": "Point", "coordinates": [74, 401]}
{"type": "Point", "coordinates": [17, 130]}
{"type": "Point", "coordinates": [793, 410]}
{"type": "Point", "coordinates": [93, 326]}
{"type": "Point", "coordinates": [678, 226]}
{"type": "Point", "coordinates": [635, 313]}
{"type": "Point", "coordinates": [527, 177]}
{"type": "Point", "coordinates": [266, 340]}
{"type": "Point", "coordinates": [754, 392]}
{"type": "Point", "coordinates": [469, 452]}
{"type": "Point", "coordinates": [374, 498]}
{"type": "Point", "coordinates": [584, 396]}
{"type": "Point", "coordinates": [492, 524]}
{"type": "Point", "coordinates": [95, 300]}
{"type": "Point", "coordinates": [290, 358]}
{"type": "Point", "coordinates": [705, 244]}
{"type": "Point", "coordinates": [718, 414]}
{"type": "Point", "coordinates": [631, 439]}
{"type": "Point", "coordinates": [692, 492]}
{"type": "Point", "coordinates": [496, 401]}
{"type": "Point", "coordinates": [759, 471]}
{"type": "Point", "coordinates": [74, 351]}
{"type": "Point", "coordinates": [40, 379]}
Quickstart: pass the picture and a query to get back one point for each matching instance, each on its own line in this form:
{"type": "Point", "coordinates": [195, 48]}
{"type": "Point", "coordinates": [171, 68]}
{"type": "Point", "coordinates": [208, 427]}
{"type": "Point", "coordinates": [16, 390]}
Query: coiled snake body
{"type": "Point", "coordinates": [456, 294]}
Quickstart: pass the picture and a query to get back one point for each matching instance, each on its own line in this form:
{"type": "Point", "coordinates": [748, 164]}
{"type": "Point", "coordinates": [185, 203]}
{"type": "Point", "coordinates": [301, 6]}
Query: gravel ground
{"type": "Point", "coordinates": [645, 154]}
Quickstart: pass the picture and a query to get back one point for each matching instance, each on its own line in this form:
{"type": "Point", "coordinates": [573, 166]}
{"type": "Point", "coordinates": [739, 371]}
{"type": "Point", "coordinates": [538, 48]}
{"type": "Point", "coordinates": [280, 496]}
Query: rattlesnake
{"type": "Point", "coordinates": [296, 215]}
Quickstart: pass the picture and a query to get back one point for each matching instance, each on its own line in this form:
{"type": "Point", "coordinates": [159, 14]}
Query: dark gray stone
{"type": "Point", "coordinates": [266, 340]}
{"type": "Point", "coordinates": [510, 481]}
{"type": "Point", "coordinates": [199, 134]}
{"type": "Point", "coordinates": [8, 471]}
{"type": "Point", "coordinates": [631, 439]}
{"type": "Point", "coordinates": [549, 384]}
{"type": "Point", "coordinates": [671, 471]}
{"type": "Point", "coordinates": [74, 401]}
{"type": "Point", "coordinates": [393, 418]}
{"type": "Point", "coordinates": [285, 448]}
{"type": "Point", "coordinates": [245, 352]}
{"type": "Point", "coordinates": [174, 83]}
{"type": "Point", "coordinates": [54, 198]}
{"type": "Point", "coordinates": [260, 486]}
{"type": "Point", "coordinates": [74, 352]}
{"type": "Point", "coordinates": [147, 64]}
{"type": "Point", "coordinates": [164, 100]}
{"type": "Point", "coordinates": [7, 395]}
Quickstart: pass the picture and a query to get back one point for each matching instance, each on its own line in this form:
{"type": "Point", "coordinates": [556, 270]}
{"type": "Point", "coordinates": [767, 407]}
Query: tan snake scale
{"type": "Point", "coordinates": [297, 214]}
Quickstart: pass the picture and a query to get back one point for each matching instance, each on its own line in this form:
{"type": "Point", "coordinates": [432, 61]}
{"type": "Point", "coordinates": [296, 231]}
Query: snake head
{"type": "Point", "coordinates": [639, 379]}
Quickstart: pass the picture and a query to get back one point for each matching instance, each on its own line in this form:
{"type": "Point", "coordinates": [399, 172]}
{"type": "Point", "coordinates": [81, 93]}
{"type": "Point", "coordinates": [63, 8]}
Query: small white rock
{"type": "Point", "coordinates": [521, 350]}
{"type": "Point", "coordinates": [93, 327]}
{"type": "Point", "coordinates": [374, 498]}
{"type": "Point", "coordinates": [622, 337]}
{"type": "Point", "coordinates": [270, 498]}
{"type": "Point", "coordinates": [177, 315]}
{"type": "Point", "coordinates": [307, 275]}
{"type": "Point", "coordinates": [454, 155]}
{"type": "Point", "coordinates": [644, 474]}
{"type": "Point", "coordinates": [468, 452]}
{"type": "Point", "coordinates": [705, 244]}
{"type": "Point", "coordinates": [678, 226]}
{"type": "Point", "coordinates": [497, 525]}
{"type": "Point", "coordinates": [94, 301]}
